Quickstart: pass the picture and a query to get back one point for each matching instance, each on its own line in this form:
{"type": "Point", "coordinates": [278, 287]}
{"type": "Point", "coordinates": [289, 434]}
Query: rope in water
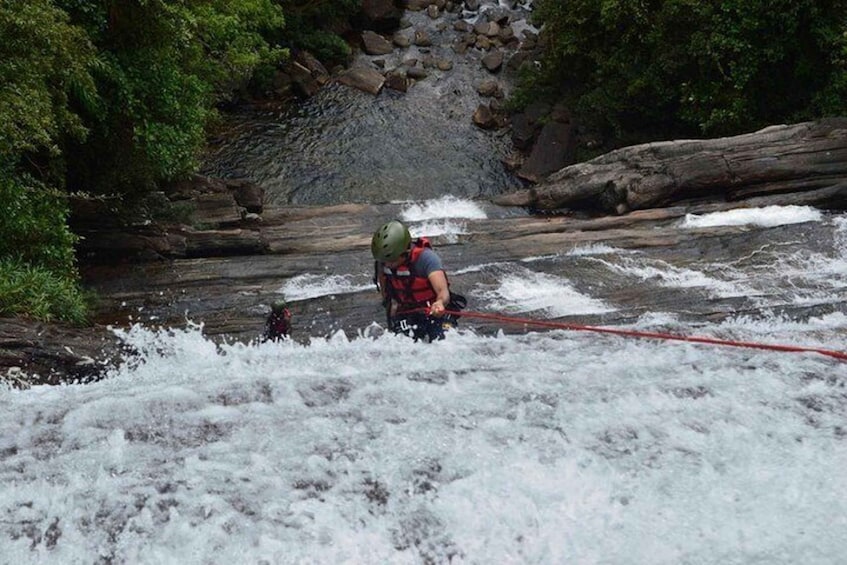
{"type": "Point", "coordinates": [650, 335]}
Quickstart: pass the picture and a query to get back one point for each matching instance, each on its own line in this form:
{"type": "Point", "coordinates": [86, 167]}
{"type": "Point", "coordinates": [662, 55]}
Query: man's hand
{"type": "Point", "coordinates": [436, 309]}
{"type": "Point", "coordinates": [438, 280]}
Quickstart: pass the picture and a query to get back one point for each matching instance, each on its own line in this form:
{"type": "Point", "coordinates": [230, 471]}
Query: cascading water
{"type": "Point", "coordinates": [487, 447]}
{"type": "Point", "coordinates": [554, 447]}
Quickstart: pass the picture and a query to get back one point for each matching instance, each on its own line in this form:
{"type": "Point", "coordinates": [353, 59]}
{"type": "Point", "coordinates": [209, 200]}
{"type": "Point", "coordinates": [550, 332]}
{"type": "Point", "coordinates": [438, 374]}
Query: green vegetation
{"type": "Point", "coordinates": [36, 291]}
{"type": "Point", "coordinates": [640, 70]}
{"type": "Point", "coordinates": [311, 24]}
{"type": "Point", "coordinates": [44, 73]}
{"type": "Point", "coordinates": [162, 68]}
{"type": "Point", "coordinates": [115, 98]}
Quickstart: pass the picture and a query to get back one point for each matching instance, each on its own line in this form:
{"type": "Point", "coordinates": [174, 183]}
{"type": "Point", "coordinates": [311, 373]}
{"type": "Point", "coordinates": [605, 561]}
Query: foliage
{"type": "Point", "coordinates": [163, 67]}
{"type": "Point", "coordinates": [33, 225]}
{"type": "Point", "coordinates": [326, 46]}
{"type": "Point", "coordinates": [109, 97]}
{"type": "Point", "coordinates": [114, 97]}
{"type": "Point", "coordinates": [313, 25]}
{"type": "Point", "coordinates": [37, 267]}
{"type": "Point", "coordinates": [44, 64]}
{"type": "Point", "coordinates": [39, 292]}
{"type": "Point", "coordinates": [650, 68]}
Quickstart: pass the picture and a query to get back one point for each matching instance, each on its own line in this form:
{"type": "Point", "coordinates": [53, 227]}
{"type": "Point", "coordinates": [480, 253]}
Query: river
{"type": "Point", "coordinates": [343, 145]}
{"type": "Point", "coordinates": [509, 445]}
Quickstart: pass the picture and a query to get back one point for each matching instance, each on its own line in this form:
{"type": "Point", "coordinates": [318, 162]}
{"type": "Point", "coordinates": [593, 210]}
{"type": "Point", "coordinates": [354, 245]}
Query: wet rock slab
{"type": "Point", "coordinates": [229, 293]}
{"type": "Point", "coordinates": [45, 353]}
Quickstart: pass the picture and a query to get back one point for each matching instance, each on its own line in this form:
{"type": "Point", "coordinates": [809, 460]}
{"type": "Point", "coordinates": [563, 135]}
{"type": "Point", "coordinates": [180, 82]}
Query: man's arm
{"type": "Point", "coordinates": [438, 280]}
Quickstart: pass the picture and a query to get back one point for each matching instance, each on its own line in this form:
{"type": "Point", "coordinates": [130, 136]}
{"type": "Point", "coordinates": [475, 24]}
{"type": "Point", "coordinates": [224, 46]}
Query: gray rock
{"type": "Point", "coordinates": [364, 78]}
{"type": "Point", "coordinates": [500, 15]}
{"type": "Point", "coordinates": [554, 149]}
{"type": "Point", "coordinates": [487, 88]}
{"type": "Point", "coordinates": [416, 73]}
{"type": "Point", "coordinates": [422, 38]}
{"type": "Point", "coordinates": [488, 29]}
{"type": "Point", "coordinates": [459, 47]}
{"type": "Point", "coordinates": [493, 61]}
{"type": "Point", "coordinates": [396, 81]}
{"type": "Point", "coordinates": [303, 83]}
{"type": "Point", "coordinates": [375, 44]}
{"type": "Point", "coordinates": [523, 131]}
{"type": "Point", "coordinates": [401, 40]}
{"type": "Point", "coordinates": [484, 117]}
{"type": "Point", "coordinates": [801, 164]}
{"type": "Point", "coordinates": [315, 67]}
{"type": "Point", "coordinates": [483, 43]}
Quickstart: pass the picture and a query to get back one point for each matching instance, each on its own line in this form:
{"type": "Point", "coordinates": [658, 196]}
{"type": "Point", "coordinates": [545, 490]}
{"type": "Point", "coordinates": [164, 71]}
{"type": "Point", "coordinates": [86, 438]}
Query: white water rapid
{"type": "Point", "coordinates": [542, 448]}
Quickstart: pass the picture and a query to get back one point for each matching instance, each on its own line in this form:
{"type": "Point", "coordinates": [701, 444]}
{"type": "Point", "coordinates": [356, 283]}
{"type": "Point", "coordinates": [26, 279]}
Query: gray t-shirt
{"type": "Point", "coordinates": [428, 262]}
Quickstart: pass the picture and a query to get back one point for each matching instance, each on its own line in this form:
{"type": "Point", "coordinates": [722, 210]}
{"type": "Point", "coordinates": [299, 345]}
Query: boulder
{"type": "Point", "coordinates": [418, 5]}
{"type": "Point", "coordinates": [375, 44]}
{"type": "Point", "coordinates": [493, 61]}
{"type": "Point", "coordinates": [316, 69]}
{"type": "Point", "coordinates": [303, 82]}
{"type": "Point", "coordinates": [484, 117]}
{"type": "Point", "coordinates": [554, 149]}
{"type": "Point", "coordinates": [364, 78]}
{"type": "Point", "coordinates": [396, 81]}
{"type": "Point", "coordinates": [421, 38]}
{"type": "Point", "coordinates": [488, 88]}
{"type": "Point", "coordinates": [789, 164]}
{"type": "Point", "coordinates": [33, 352]}
{"type": "Point", "coordinates": [523, 131]}
{"type": "Point", "coordinates": [401, 40]}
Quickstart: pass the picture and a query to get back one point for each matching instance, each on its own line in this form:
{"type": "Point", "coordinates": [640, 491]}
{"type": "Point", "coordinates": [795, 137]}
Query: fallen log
{"type": "Point", "coordinates": [809, 157]}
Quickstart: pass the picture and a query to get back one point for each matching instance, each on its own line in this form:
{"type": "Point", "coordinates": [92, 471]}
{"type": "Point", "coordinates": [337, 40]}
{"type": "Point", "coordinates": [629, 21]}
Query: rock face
{"type": "Point", "coordinates": [791, 164]}
{"type": "Point", "coordinates": [223, 217]}
{"type": "Point", "coordinates": [39, 353]}
{"type": "Point", "coordinates": [554, 149]}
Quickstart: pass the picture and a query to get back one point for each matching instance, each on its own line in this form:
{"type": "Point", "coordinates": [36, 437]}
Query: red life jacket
{"type": "Point", "coordinates": [405, 285]}
{"type": "Point", "coordinates": [277, 325]}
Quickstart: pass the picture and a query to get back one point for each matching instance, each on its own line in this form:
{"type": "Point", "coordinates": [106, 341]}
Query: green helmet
{"type": "Point", "coordinates": [279, 306]}
{"type": "Point", "coordinates": [390, 241]}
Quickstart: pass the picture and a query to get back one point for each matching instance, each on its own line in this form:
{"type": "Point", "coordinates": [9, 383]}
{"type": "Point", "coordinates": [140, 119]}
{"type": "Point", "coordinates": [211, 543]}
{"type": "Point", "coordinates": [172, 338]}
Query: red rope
{"type": "Point", "coordinates": [652, 335]}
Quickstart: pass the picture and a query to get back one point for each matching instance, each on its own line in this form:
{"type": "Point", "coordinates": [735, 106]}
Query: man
{"type": "Point", "coordinates": [414, 287]}
{"type": "Point", "coordinates": [278, 324]}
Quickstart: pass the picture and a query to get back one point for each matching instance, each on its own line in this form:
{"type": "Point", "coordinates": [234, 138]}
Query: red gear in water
{"type": "Point", "coordinates": [278, 324]}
